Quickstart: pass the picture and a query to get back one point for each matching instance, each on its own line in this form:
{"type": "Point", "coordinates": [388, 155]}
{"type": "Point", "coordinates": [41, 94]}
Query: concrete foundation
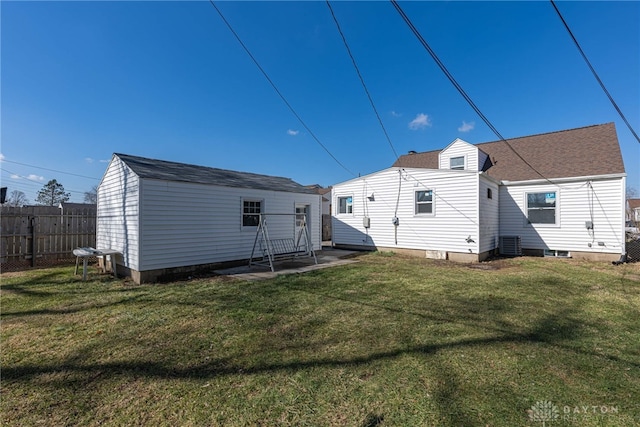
{"type": "Point", "coordinates": [421, 253]}
{"type": "Point", "coordinates": [175, 273]}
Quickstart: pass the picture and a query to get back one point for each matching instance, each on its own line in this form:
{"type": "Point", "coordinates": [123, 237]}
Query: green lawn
{"type": "Point", "coordinates": [388, 341]}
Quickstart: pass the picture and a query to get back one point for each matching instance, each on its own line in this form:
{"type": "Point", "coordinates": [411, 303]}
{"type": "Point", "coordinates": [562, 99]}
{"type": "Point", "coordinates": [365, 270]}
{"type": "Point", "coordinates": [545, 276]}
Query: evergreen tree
{"type": "Point", "coordinates": [52, 194]}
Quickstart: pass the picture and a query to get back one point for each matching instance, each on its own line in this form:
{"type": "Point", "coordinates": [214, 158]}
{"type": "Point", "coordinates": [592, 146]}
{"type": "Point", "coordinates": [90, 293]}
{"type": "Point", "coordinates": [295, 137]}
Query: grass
{"type": "Point", "coordinates": [389, 341]}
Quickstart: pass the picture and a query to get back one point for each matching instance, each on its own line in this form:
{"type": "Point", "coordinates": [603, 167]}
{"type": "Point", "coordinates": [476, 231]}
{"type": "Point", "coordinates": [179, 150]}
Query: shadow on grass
{"type": "Point", "coordinates": [562, 327]}
{"type": "Point", "coordinates": [73, 309]}
{"type": "Point", "coordinates": [24, 286]}
{"type": "Point", "coordinates": [372, 420]}
{"type": "Point", "coordinates": [550, 330]}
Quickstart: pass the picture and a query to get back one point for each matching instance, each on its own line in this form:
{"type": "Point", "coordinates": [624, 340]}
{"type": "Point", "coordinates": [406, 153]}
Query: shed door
{"type": "Point", "coordinates": [302, 215]}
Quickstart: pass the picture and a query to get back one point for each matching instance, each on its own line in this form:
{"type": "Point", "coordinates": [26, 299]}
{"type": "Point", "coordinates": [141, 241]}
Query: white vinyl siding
{"type": "Point", "coordinates": [160, 224]}
{"type": "Point", "coordinates": [482, 159]}
{"type": "Point", "coordinates": [489, 218]}
{"type": "Point", "coordinates": [455, 196]}
{"type": "Point", "coordinates": [117, 212]}
{"type": "Point", "coordinates": [210, 229]}
{"type": "Point", "coordinates": [457, 149]}
{"type": "Point", "coordinates": [578, 202]}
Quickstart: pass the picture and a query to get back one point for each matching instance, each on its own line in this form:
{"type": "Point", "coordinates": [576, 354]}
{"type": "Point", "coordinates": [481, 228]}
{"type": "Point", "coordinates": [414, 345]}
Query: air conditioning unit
{"type": "Point", "coordinates": [510, 246]}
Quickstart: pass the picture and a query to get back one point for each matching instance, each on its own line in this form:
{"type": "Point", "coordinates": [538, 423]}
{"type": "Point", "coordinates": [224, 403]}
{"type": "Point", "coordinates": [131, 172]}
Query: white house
{"type": "Point", "coordinates": [633, 210]}
{"type": "Point", "coordinates": [170, 218]}
{"type": "Point", "coordinates": [562, 194]}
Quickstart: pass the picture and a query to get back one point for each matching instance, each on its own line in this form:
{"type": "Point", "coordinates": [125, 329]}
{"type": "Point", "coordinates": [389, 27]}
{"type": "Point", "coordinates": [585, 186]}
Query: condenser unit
{"type": "Point", "coordinates": [510, 246]}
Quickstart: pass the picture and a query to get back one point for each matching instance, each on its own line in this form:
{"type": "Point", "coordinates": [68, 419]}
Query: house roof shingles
{"type": "Point", "coordinates": [586, 151]}
{"type": "Point", "coordinates": [634, 203]}
{"type": "Point", "coordinates": [182, 172]}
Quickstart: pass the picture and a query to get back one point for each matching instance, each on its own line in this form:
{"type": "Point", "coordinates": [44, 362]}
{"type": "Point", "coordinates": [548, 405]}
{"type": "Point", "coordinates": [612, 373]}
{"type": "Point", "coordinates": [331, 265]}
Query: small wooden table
{"type": "Point", "coordinates": [85, 253]}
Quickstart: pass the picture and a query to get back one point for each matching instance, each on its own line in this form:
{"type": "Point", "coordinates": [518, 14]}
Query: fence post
{"type": "Point", "coordinates": [34, 245]}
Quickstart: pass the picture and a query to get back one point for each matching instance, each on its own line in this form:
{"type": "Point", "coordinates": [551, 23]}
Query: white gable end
{"type": "Point", "coordinates": [460, 155]}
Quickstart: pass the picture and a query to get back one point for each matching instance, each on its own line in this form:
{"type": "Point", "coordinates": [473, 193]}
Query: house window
{"type": "Point", "coordinates": [489, 193]}
{"type": "Point", "coordinates": [456, 163]}
{"type": "Point", "coordinates": [345, 205]}
{"type": "Point", "coordinates": [541, 208]}
{"type": "Point", "coordinates": [251, 210]}
{"type": "Point", "coordinates": [557, 254]}
{"type": "Point", "coordinates": [424, 202]}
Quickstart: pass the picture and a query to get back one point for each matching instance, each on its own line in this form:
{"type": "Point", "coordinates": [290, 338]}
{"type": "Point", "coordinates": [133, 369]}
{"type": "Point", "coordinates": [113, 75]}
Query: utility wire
{"type": "Point", "coordinates": [593, 71]}
{"type": "Point", "coordinates": [459, 88]}
{"type": "Point", "coordinates": [346, 45]}
{"type": "Point", "coordinates": [273, 85]}
{"type": "Point", "coordinates": [35, 181]}
{"type": "Point", "coordinates": [51, 170]}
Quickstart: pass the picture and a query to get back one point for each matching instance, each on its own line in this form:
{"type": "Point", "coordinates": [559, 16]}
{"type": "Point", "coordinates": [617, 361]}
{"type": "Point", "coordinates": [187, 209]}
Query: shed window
{"type": "Point", "coordinates": [456, 163]}
{"type": "Point", "coordinates": [345, 205]}
{"type": "Point", "coordinates": [251, 210]}
{"type": "Point", "coordinates": [489, 193]}
{"type": "Point", "coordinates": [541, 208]}
{"type": "Point", "coordinates": [424, 202]}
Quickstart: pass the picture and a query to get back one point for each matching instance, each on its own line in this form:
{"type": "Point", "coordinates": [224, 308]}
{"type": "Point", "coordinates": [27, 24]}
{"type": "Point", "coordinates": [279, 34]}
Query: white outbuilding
{"type": "Point", "coordinates": [169, 219]}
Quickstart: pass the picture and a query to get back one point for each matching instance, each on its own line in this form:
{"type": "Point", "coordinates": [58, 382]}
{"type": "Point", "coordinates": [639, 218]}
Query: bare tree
{"type": "Point", "coordinates": [631, 193]}
{"type": "Point", "coordinates": [17, 199]}
{"type": "Point", "coordinates": [91, 196]}
{"type": "Point", "coordinates": [52, 194]}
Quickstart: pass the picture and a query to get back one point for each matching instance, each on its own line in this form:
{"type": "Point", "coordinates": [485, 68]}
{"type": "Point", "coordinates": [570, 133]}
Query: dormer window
{"type": "Point", "coordinates": [456, 163]}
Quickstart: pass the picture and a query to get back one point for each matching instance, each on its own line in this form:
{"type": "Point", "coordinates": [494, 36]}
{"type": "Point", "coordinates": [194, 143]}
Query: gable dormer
{"type": "Point", "coordinates": [460, 155]}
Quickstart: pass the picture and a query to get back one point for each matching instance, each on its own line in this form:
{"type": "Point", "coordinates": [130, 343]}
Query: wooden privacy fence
{"type": "Point", "coordinates": [40, 236]}
{"type": "Point", "coordinates": [326, 227]}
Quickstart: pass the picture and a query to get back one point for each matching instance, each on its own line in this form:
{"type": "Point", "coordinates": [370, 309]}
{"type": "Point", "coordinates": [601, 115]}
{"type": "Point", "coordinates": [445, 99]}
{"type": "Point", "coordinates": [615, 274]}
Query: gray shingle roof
{"type": "Point", "coordinates": [182, 172]}
{"type": "Point", "coordinates": [586, 151]}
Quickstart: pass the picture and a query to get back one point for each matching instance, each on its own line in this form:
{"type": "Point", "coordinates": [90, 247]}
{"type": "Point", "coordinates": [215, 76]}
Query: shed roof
{"type": "Point", "coordinates": [182, 172]}
{"type": "Point", "coordinates": [587, 151]}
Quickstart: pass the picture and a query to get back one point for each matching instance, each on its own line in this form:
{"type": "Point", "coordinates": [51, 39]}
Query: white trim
{"type": "Point", "coordinates": [528, 223]}
{"type": "Point", "coordinates": [569, 179]}
{"type": "Point", "coordinates": [489, 178]}
{"type": "Point", "coordinates": [623, 189]}
{"type": "Point", "coordinates": [453, 142]}
{"type": "Point", "coordinates": [337, 204]}
{"type": "Point", "coordinates": [433, 203]}
{"type": "Point", "coordinates": [464, 162]}
{"type": "Point", "coordinates": [251, 228]}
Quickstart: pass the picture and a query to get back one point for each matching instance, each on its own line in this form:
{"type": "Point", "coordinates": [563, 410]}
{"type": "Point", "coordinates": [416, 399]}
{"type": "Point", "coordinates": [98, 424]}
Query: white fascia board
{"type": "Point", "coordinates": [489, 178]}
{"type": "Point", "coordinates": [562, 180]}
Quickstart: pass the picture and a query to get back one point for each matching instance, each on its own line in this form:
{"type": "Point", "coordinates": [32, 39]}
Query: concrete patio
{"type": "Point", "coordinates": [327, 257]}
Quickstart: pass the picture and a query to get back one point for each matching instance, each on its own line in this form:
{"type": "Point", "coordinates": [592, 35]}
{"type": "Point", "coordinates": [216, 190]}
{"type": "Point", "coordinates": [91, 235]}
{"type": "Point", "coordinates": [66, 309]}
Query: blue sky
{"type": "Point", "coordinates": [167, 80]}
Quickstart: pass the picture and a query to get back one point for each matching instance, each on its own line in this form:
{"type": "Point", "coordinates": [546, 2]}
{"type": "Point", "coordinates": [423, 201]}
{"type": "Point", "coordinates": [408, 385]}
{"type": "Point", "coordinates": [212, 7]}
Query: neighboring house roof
{"type": "Point", "coordinates": [319, 189]}
{"type": "Point", "coordinates": [586, 151]}
{"type": "Point", "coordinates": [634, 203]}
{"type": "Point", "coordinates": [182, 172]}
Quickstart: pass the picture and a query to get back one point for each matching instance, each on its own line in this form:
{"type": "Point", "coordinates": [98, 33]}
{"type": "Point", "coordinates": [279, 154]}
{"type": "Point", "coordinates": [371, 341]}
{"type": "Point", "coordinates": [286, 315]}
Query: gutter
{"type": "Point", "coordinates": [561, 180]}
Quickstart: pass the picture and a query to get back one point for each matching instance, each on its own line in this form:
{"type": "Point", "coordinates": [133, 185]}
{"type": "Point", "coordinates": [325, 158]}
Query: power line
{"type": "Point", "coordinates": [51, 170]}
{"type": "Point", "coordinates": [346, 45]}
{"type": "Point", "coordinates": [34, 181]}
{"type": "Point", "coordinates": [459, 88]}
{"type": "Point", "coordinates": [593, 71]}
{"type": "Point", "coordinates": [273, 85]}
{"type": "Point", "coordinates": [22, 176]}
